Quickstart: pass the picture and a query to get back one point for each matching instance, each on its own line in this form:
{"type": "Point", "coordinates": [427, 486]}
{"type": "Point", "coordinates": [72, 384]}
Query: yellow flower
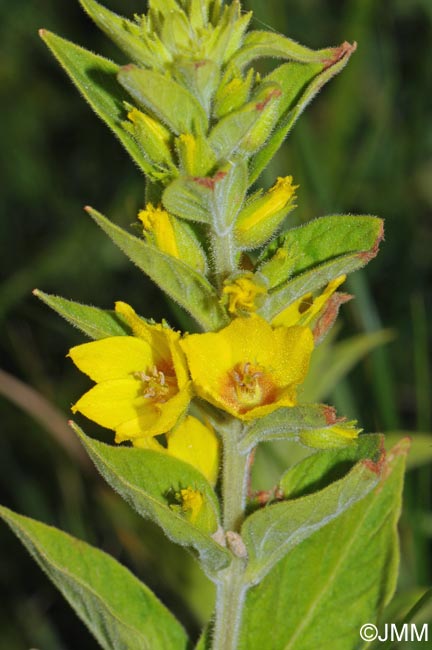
{"type": "Point", "coordinates": [158, 224]}
{"type": "Point", "coordinates": [307, 308]}
{"type": "Point", "coordinates": [142, 382]}
{"type": "Point", "coordinates": [190, 441]}
{"type": "Point", "coordinates": [172, 236]}
{"type": "Point", "coordinates": [152, 137]}
{"type": "Point", "coordinates": [249, 369]}
{"type": "Point", "coordinates": [260, 218]}
{"type": "Point", "coordinates": [190, 503]}
{"type": "Point", "coordinates": [242, 294]}
{"type": "Point", "coordinates": [197, 444]}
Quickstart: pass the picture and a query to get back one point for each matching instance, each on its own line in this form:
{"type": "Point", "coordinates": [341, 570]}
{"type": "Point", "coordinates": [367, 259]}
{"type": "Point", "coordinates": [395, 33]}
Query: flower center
{"type": "Point", "coordinates": [157, 386]}
{"type": "Point", "coordinates": [249, 386]}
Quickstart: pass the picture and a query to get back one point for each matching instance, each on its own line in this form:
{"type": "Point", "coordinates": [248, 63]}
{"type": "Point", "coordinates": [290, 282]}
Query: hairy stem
{"type": "Point", "coordinates": [224, 255]}
{"type": "Point", "coordinates": [231, 588]}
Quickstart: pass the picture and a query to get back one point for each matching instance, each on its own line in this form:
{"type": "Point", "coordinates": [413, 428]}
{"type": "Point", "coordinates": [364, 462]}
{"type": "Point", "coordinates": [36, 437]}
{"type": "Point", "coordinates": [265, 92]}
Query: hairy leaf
{"type": "Point", "coordinates": [125, 33]}
{"type": "Point", "coordinates": [214, 200]}
{"type": "Point", "coordinates": [96, 79]}
{"type": "Point", "coordinates": [149, 481]}
{"type": "Point", "coordinates": [172, 103]}
{"type": "Point", "coordinates": [286, 423]}
{"type": "Point", "coordinates": [121, 612]}
{"type": "Point", "coordinates": [96, 323]}
{"type": "Point", "coordinates": [330, 585]}
{"type": "Point", "coordinates": [320, 469]}
{"type": "Point", "coordinates": [180, 281]}
{"type": "Point", "coordinates": [321, 251]}
{"type": "Point", "coordinates": [258, 44]}
{"type": "Point", "coordinates": [312, 85]}
{"type": "Point", "coordinates": [272, 532]}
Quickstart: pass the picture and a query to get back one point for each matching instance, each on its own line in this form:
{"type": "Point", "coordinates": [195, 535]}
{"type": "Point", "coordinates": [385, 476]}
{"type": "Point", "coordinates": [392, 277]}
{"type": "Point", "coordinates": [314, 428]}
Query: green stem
{"type": "Point", "coordinates": [231, 588]}
{"type": "Point", "coordinates": [224, 255]}
{"type": "Point", "coordinates": [231, 592]}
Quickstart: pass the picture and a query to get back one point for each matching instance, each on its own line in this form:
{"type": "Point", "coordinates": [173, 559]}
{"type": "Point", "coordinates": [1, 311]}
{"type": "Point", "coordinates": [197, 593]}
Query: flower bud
{"type": "Point", "coordinates": [262, 216]}
{"type": "Point", "coordinates": [334, 437]}
{"type": "Point", "coordinates": [172, 236]}
{"type": "Point", "coordinates": [152, 137]}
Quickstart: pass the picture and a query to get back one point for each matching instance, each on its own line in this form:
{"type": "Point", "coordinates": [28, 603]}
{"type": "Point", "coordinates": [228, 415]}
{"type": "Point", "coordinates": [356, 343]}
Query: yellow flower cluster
{"type": "Point", "coordinates": [145, 382]}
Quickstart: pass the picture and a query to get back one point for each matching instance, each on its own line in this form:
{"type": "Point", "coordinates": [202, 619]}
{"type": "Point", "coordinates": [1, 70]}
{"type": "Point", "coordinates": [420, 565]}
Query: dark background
{"type": "Point", "coordinates": [364, 146]}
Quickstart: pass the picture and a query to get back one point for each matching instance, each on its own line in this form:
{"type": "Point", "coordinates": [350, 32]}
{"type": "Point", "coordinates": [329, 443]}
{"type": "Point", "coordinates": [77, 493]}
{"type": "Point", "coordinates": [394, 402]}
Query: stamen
{"type": "Point", "coordinates": [156, 385]}
{"type": "Point", "coordinates": [246, 377]}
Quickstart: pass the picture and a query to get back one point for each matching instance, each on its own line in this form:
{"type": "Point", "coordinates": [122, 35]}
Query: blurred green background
{"type": "Point", "coordinates": [364, 146]}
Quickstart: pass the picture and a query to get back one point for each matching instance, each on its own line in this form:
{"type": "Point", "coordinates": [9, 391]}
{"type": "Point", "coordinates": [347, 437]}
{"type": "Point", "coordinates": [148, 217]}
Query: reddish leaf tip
{"type": "Point", "coordinates": [273, 94]}
{"type": "Point", "coordinates": [343, 51]}
{"type": "Point", "coordinates": [209, 181]}
{"type": "Point", "coordinates": [329, 413]}
{"type": "Point", "coordinates": [367, 256]}
{"type": "Point", "coordinates": [376, 466]}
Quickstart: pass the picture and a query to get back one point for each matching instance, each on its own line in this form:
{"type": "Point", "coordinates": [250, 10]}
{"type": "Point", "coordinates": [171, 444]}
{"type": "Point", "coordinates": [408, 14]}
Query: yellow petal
{"type": "Point", "coordinates": [242, 294]}
{"type": "Point", "coordinates": [196, 444]}
{"type": "Point", "coordinates": [307, 308]}
{"type": "Point", "coordinates": [148, 443]}
{"type": "Point", "coordinates": [192, 503]}
{"type": "Point", "coordinates": [120, 405]}
{"type": "Point", "coordinates": [157, 336]}
{"type": "Point", "coordinates": [248, 368]}
{"type": "Point", "coordinates": [157, 222]}
{"type": "Point", "coordinates": [113, 402]}
{"type": "Point", "coordinates": [113, 357]}
{"type": "Point", "coordinates": [154, 419]}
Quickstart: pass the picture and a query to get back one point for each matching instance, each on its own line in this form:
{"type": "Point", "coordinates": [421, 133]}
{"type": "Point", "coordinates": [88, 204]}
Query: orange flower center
{"type": "Point", "coordinates": [248, 386]}
{"type": "Point", "coordinates": [157, 385]}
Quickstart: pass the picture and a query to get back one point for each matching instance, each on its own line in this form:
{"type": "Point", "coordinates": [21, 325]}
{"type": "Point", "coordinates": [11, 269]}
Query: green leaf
{"type": "Point", "coordinates": [121, 612]}
{"type": "Point", "coordinates": [201, 78]}
{"type": "Point", "coordinates": [298, 103]}
{"type": "Point", "coordinates": [245, 130]}
{"type": "Point", "coordinates": [320, 469]}
{"type": "Point", "coordinates": [126, 34]}
{"type": "Point", "coordinates": [321, 251]}
{"type": "Point", "coordinates": [272, 532]}
{"type": "Point", "coordinates": [148, 480]}
{"type": "Point", "coordinates": [185, 285]}
{"type": "Point", "coordinates": [189, 199]}
{"type": "Point", "coordinates": [330, 585]}
{"type": "Point", "coordinates": [173, 104]}
{"type": "Point", "coordinates": [287, 423]}
{"type": "Point", "coordinates": [258, 44]}
{"type": "Point", "coordinates": [96, 323]}
{"type": "Point", "coordinates": [215, 200]}
{"type": "Point", "coordinates": [96, 79]}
